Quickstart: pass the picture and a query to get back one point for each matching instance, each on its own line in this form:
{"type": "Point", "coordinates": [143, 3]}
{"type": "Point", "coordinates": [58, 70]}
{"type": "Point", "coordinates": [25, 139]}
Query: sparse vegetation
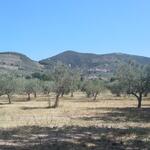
{"type": "Point", "coordinates": [135, 80]}
{"type": "Point", "coordinates": [93, 88]}
{"type": "Point", "coordinates": [7, 86]}
{"type": "Point", "coordinates": [109, 121]}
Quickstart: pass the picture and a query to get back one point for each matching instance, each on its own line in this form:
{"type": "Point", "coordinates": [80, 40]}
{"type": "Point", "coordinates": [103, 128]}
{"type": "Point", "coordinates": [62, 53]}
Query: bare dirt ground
{"type": "Point", "coordinates": [110, 123]}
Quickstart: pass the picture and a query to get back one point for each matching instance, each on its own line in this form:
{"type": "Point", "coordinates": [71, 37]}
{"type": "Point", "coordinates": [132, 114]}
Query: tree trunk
{"type": "Point", "coordinates": [56, 101]}
{"type": "Point", "coordinates": [139, 98]}
{"type": "Point", "coordinates": [29, 98]}
{"type": "Point", "coordinates": [9, 98]}
{"type": "Point", "coordinates": [62, 94]}
{"type": "Point", "coordinates": [35, 95]}
{"type": "Point", "coordinates": [72, 94]}
{"type": "Point", "coordinates": [139, 101]}
{"type": "Point", "coordinates": [118, 95]}
{"type": "Point", "coordinates": [95, 96]}
{"type": "Point", "coordinates": [49, 101]}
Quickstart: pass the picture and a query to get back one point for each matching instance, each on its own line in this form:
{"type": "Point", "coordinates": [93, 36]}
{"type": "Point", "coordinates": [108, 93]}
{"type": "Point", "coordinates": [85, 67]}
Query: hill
{"type": "Point", "coordinates": [12, 61]}
{"type": "Point", "coordinates": [94, 62]}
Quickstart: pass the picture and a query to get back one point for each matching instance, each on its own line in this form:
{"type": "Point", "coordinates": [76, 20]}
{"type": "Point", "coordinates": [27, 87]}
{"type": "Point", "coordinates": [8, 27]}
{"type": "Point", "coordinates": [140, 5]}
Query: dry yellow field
{"type": "Point", "coordinates": [77, 124]}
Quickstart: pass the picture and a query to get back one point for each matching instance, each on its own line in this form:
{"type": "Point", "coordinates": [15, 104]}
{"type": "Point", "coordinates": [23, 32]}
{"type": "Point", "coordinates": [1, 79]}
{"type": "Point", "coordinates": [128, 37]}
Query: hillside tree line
{"type": "Point", "coordinates": [130, 79]}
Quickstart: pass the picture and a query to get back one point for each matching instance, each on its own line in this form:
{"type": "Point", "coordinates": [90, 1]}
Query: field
{"type": "Point", "coordinates": [110, 123]}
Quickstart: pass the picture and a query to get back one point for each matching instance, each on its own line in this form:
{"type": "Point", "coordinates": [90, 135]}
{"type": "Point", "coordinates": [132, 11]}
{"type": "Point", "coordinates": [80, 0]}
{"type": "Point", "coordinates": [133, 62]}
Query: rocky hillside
{"type": "Point", "coordinates": [90, 63]}
{"type": "Point", "coordinates": [11, 61]}
{"type": "Point", "coordinates": [94, 62]}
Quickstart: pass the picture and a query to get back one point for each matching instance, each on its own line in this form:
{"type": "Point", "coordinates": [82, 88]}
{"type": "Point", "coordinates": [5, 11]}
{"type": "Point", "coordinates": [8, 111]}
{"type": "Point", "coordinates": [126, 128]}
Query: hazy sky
{"type": "Point", "coordinates": [42, 28]}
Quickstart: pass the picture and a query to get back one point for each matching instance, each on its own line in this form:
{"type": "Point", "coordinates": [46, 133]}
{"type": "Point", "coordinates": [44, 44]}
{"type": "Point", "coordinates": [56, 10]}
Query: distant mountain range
{"type": "Point", "coordinates": [96, 63]}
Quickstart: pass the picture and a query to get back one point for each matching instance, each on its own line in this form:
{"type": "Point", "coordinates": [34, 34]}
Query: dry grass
{"type": "Point", "coordinates": [79, 123]}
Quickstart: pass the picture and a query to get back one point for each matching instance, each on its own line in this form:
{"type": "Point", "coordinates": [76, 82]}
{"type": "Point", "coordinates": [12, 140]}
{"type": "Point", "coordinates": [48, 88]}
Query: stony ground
{"type": "Point", "coordinates": [110, 123]}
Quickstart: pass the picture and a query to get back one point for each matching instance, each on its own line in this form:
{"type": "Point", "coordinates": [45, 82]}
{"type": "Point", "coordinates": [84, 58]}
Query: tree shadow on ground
{"type": "Point", "coordinates": [120, 115]}
{"type": "Point", "coordinates": [32, 108]}
{"type": "Point", "coordinates": [3, 103]}
{"type": "Point", "coordinates": [146, 105]}
{"type": "Point", "coordinates": [73, 138]}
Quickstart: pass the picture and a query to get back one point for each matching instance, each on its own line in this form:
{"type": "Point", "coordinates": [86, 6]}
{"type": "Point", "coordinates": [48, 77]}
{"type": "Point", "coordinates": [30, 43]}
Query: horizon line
{"type": "Point", "coordinates": [75, 51]}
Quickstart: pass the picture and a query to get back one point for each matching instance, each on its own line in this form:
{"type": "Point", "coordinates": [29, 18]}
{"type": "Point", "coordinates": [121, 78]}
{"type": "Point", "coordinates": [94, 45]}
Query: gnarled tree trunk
{"type": "Point", "coordinates": [139, 98]}
{"type": "Point", "coordinates": [56, 101]}
{"type": "Point", "coordinates": [35, 95]}
{"type": "Point", "coordinates": [9, 98]}
{"type": "Point", "coordinates": [95, 96]}
{"type": "Point", "coordinates": [72, 94]}
{"type": "Point", "coordinates": [139, 101]}
{"type": "Point", "coordinates": [29, 98]}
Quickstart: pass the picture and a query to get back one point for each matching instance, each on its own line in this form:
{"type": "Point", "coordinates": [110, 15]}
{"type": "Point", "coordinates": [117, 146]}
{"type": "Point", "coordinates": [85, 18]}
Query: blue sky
{"type": "Point", "coordinates": [43, 28]}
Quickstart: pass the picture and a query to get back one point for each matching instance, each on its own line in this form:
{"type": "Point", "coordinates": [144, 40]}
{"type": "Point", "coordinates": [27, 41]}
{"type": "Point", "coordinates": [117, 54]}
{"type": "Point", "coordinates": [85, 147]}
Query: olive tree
{"type": "Point", "coordinates": [87, 87]}
{"type": "Point", "coordinates": [7, 86]}
{"type": "Point", "coordinates": [116, 88]}
{"type": "Point", "coordinates": [147, 73]}
{"type": "Point", "coordinates": [47, 87]}
{"type": "Point", "coordinates": [62, 81]}
{"type": "Point", "coordinates": [135, 80]}
{"type": "Point", "coordinates": [93, 88]}
{"type": "Point", "coordinates": [98, 87]}
{"type": "Point", "coordinates": [74, 81]}
{"type": "Point", "coordinates": [28, 88]}
{"type": "Point", "coordinates": [37, 86]}
{"type": "Point", "coordinates": [31, 86]}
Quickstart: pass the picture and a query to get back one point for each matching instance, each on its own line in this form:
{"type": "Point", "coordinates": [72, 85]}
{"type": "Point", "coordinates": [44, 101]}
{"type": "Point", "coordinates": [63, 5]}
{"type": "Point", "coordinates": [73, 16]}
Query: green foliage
{"type": "Point", "coordinates": [32, 86]}
{"type": "Point", "coordinates": [20, 84]}
{"type": "Point", "coordinates": [7, 85]}
{"type": "Point", "coordinates": [61, 78]}
{"type": "Point", "coordinates": [93, 87]}
{"type": "Point", "coordinates": [135, 80]}
{"type": "Point", "coordinates": [42, 76]}
{"type": "Point", "coordinates": [48, 86]}
{"type": "Point", "coordinates": [62, 81]}
{"type": "Point", "coordinates": [116, 88]}
{"type": "Point", "coordinates": [86, 86]}
{"type": "Point", "coordinates": [75, 81]}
